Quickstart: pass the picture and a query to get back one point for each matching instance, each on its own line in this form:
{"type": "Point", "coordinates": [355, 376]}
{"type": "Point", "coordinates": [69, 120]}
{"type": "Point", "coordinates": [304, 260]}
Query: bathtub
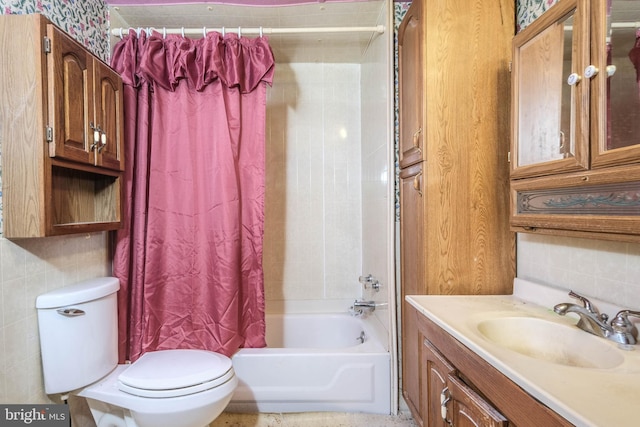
{"type": "Point", "coordinates": [315, 362]}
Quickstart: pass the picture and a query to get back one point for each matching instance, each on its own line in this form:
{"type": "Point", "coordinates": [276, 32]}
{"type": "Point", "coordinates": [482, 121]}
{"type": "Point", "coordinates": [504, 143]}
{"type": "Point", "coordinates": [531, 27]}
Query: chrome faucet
{"type": "Point", "coordinates": [363, 308]}
{"type": "Point", "coordinates": [620, 330]}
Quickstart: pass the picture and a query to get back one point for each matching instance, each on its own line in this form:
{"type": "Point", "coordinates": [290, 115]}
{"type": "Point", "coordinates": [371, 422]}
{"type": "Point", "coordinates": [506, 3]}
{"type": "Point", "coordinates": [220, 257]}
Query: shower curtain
{"type": "Point", "coordinates": [189, 257]}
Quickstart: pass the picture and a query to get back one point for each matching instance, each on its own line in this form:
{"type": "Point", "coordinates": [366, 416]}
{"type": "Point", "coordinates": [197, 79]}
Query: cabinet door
{"type": "Point", "coordinates": [70, 103]}
{"type": "Point", "coordinates": [435, 371]}
{"type": "Point", "coordinates": [412, 276]}
{"type": "Point", "coordinates": [550, 122]}
{"type": "Point", "coordinates": [467, 408]}
{"type": "Point", "coordinates": [412, 252]}
{"type": "Point", "coordinates": [411, 339]}
{"type": "Point", "coordinates": [410, 85]}
{"type": "Point", "coordinates": [108, 103]}
{"type": "Point", "coordinates": [615, 89]}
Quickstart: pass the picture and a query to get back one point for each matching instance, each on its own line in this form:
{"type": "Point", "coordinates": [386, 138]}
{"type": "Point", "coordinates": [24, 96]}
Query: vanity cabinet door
{"type": "Point", "coordinates": [435, 371]}
{"type": "Point", "coordinates": [447, 400]}
{"type": "Point", "coordinates": [468, 409]}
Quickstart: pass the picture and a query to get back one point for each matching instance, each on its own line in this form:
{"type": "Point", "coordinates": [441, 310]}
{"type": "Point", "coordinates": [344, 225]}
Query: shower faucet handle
{"type": "Point", "coordinates": [369, 281]}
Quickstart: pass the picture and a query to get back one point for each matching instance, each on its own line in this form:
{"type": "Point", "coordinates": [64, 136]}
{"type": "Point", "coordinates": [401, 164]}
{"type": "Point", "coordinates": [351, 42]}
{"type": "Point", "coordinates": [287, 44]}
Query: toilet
{"type": "Point", "coordinates": [165, 388]}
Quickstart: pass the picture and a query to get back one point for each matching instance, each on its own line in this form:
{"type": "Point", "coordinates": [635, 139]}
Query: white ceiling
{"type": "Point", "coordinates": [313, 47]}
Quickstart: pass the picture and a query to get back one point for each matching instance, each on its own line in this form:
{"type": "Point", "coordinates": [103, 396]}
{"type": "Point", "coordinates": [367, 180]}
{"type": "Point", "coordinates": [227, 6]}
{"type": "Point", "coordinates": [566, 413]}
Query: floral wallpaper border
{"type": "Point", "coordinates": [87, 21]}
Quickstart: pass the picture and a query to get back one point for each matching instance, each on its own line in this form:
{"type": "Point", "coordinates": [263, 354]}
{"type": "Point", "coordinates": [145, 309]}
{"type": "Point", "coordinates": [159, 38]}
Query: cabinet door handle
{"type": "Point", "coordinates": [416, 139]}
{"type": "Point", "coordinates": [591, 71]}
{"type": "Point", "coordinates": [416, 183]}
{"type": "Point", "coordinates": [96, 136]}
{"type": "Point", "coordinates": [445, 397]}
{"type": "Point", "coordinates": [573, 79]}
{"type": "Point", "coordinates": [103, 141]}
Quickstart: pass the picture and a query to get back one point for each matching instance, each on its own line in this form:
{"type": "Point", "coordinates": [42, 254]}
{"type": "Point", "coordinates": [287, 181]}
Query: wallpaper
{"type": "Point", "coordinates": [528, 10]}
{"type": "Point", "coordinates": [399, 10]}
{"type": "Point", "coordinates": [87, 21]}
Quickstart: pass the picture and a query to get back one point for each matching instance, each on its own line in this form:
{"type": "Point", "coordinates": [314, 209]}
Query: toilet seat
{"type": "Point", "coordinates": [174, 373]}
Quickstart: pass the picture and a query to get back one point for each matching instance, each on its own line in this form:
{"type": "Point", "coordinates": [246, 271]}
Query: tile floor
{"type": "Point", "coordinates": [312, 419]}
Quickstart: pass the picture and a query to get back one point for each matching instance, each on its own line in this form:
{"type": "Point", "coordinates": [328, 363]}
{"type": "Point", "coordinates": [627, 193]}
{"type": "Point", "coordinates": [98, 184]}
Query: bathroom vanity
{"type": "Point", "coordinates": [509, 359]}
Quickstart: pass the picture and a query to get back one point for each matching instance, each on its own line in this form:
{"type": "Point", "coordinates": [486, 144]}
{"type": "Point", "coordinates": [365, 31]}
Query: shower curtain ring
{"type": "Point", "coordinates": [182, 31]}
{"type": "Point", "coordinates": [222, 31]}
{"type": "Point", "coordinates": [261, 32]}
{"type": "Point", "coordinates": [164, 32]}
{"type": "Point", "coordinates": [204, 31]}
{"type": "Point", "coordinates": [239, 32]}
{"type": "Point", "coordinates": [120, 32]}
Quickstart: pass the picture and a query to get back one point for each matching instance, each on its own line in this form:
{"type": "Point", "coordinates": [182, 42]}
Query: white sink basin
{"type": "Point", "coordinates": [551, 342]}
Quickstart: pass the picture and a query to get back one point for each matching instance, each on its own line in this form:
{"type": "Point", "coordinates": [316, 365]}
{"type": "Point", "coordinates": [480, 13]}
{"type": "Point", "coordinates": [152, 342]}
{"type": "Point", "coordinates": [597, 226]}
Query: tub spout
{"type": "Point", "coordinates": [364, 308]}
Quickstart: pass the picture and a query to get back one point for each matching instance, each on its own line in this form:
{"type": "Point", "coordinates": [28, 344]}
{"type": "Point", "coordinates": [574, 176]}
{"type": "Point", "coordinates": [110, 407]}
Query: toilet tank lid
{"type": "Point", "coordinates": [85, 291]}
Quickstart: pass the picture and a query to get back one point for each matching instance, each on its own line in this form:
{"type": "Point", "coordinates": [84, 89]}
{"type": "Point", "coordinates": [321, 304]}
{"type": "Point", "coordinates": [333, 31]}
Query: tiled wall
{"type": "Point", "coordinates": [313, 226]}
{"type": "Point", "coordinates": [30, 267]}
{"type": "Point", "coordinates": [598, 268]}
{"type": "Point", "coordinates": [377, 172]}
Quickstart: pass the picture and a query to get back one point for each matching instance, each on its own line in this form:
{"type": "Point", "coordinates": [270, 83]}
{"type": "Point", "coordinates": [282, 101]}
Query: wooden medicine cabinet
{"type": "Point", "coordinates": [61, 133]}
{"type": "Point", "coordinates": [575, 152]}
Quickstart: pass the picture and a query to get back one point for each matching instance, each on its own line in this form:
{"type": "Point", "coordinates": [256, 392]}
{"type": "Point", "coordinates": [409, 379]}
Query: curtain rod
{"type": "Point", "coordinates": [120, 32]}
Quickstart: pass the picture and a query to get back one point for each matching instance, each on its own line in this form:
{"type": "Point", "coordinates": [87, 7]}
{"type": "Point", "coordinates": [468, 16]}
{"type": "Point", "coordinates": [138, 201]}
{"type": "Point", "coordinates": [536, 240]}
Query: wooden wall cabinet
{"type": "Point", "coordinates": [61, 133]}
{"type": "Point", "coordinates": [86, 118]}
{"type": "Point", "coordinates": [459, 388]}
{"type": "Point", "coordinates": [454, 178]}
{"type": "Point", "coordinates": [575, 154]}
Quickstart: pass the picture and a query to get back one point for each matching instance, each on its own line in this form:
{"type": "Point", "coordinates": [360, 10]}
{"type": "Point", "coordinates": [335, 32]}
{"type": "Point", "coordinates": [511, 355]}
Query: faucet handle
{"type": "Point", "coordinates": [623, 328]}
{"type": "Point", "coordinates": [587, 304]}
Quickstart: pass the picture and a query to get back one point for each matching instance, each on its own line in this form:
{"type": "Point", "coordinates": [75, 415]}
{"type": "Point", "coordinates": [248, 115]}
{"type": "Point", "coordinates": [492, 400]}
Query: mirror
{"type": "Point", "coordinates": [546, 119]}
{"type": "Point", "coordinates": [623, 68]}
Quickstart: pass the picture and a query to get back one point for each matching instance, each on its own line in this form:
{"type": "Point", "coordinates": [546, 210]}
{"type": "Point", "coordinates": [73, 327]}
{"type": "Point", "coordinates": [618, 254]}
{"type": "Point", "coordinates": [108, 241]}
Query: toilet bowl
{"type": "Point", "coordinates": [166, 388]}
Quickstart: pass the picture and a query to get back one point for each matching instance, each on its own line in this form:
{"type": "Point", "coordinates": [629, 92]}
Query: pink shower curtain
{"type": "Point", "coordinates": [189, 257]}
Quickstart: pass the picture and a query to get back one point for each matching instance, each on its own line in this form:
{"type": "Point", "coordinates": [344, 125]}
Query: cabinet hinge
{"type": "Point", "coordinates": [510, 66]}
{"type": "Point", "coordinates": [49, 132]}
{"type": "Point", "coordinates": [46, 44]}
{"type": "Point", "coordinates": [509, 157]}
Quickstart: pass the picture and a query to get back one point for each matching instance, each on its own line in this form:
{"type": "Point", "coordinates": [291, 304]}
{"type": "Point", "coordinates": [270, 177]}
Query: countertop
{"type": "Point", "coordinates": [584, 396]}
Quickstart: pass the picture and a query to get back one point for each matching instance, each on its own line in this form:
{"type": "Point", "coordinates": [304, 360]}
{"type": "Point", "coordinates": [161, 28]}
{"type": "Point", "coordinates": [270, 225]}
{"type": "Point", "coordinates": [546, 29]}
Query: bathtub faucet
{"type": "Point", "coordinates": [364, 308]}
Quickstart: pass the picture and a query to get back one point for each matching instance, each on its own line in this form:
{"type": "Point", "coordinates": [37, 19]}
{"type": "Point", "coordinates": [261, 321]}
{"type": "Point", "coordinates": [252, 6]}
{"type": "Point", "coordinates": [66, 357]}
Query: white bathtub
{"type": "Point", "coordinates": [315, 362]}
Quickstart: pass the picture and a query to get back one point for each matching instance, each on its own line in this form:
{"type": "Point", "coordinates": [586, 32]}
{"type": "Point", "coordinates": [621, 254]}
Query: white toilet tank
{"type": "Point", "coordinates": [78, 333]}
